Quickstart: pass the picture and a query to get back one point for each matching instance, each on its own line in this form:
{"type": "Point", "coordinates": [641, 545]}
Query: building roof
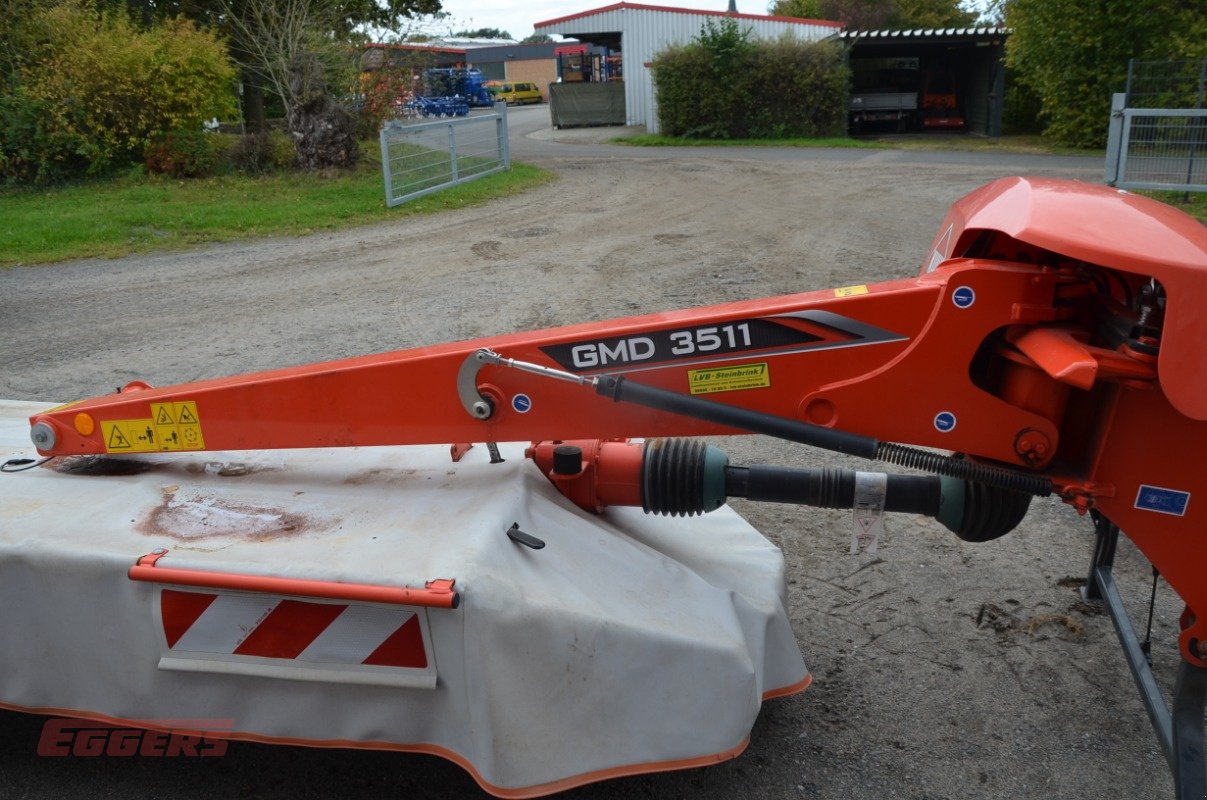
{"type": "Point", "coordinates": [461, 41]}
{"type": "Point", "coordinates": [418, 46]}
{"type": "Point", "coordinates": [668, 9]}
{"type": "Point", "coordinates": [921, 34]}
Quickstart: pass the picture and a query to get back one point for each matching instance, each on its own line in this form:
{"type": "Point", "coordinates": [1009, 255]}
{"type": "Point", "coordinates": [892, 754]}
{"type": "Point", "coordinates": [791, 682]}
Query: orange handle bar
{"type": "Point", "coordinates": [435, 594]}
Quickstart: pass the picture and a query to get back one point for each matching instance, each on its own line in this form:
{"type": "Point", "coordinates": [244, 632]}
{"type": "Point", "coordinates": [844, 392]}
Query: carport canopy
{"type": "Point", "coordinates": [971, 57]}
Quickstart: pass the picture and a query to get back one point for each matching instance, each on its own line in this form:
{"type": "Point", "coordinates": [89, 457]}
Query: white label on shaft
{"type": "Point", "coordinates": [870, 490]}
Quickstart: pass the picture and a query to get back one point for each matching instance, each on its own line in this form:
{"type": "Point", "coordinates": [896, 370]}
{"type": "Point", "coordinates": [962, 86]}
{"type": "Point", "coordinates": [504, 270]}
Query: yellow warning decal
{"type": "Point", "coordinates": [850, 291]}
{"type": "Point", "coordinates": [129, 436]}
{"type": "Point", "coordinates": [172, 426]}
{"type": "Point", "coordinates": [729, 379]}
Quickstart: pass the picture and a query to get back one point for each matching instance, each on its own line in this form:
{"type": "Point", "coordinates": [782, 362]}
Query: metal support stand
{"type": "Point", "coordinates": [1180, 733]}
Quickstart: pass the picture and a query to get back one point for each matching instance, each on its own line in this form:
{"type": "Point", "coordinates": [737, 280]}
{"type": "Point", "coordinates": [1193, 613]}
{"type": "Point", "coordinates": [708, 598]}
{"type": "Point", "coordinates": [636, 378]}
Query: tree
{"type": "Point", "coordinates": [932, 14]}
{"type": "Point", "coordinates": [297, 47]}
{"type": "Point", "coordinates": [346, 20]}
{"type": "Point", "coordinates": [801, 9]}
{"type": "Point", "coordinates": [537, 38]}
{"type": "Point", "coordinates": [483, 33]}
{"type": "Point", "coordinates": [877, 14]}
{"type": "Point", "coordinates": [1074, 53]}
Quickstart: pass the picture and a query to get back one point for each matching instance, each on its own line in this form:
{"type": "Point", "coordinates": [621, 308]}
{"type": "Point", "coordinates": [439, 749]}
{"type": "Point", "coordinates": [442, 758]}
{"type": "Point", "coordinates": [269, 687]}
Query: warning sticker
{"type": "Point", "coordinates": [870, 491]}
{"type": "Point", "coordinates": [129, 436]}
{"type": "Point", "coordinates": [729, 379]}
{"type": "Point", "coordinates": [171, 426]}
{"type": "Point", "coordinates": [850, 291]}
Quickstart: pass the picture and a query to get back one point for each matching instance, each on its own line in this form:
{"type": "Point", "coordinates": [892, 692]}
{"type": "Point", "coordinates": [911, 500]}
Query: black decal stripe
{"type": "Point", "coordinates": [756, 337]}
{"type": "Point", "coordinates": [869, 334]}
{"type": "Point", "coordinates": [749, 354]}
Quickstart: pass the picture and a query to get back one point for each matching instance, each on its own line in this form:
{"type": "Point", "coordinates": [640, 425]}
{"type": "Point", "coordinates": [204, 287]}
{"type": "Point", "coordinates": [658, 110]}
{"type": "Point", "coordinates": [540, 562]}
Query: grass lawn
{"type": "Point", "coordinates": [139, 213]}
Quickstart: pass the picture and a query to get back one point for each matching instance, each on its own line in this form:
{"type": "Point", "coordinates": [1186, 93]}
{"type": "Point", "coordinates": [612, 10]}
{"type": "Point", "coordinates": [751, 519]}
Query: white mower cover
{"type": "Point", "coordinates": [629, 643]}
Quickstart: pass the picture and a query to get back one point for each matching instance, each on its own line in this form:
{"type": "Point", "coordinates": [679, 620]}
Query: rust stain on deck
{"type": "Point", "coordinates": [379, 476]}
{"type": "Point", "coordinates": [199, 516]}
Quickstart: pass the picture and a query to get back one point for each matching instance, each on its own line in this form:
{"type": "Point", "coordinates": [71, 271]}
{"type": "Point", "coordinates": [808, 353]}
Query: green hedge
{"type": "Point", "coordinates": [725, 86]}
{"type": "Point", "coordinates": [86, 92]}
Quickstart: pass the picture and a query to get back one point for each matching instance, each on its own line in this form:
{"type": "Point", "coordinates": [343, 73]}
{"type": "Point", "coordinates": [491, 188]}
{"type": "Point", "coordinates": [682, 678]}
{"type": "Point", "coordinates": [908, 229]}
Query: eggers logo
{"type": "Point", "coordinates": [180, 737]}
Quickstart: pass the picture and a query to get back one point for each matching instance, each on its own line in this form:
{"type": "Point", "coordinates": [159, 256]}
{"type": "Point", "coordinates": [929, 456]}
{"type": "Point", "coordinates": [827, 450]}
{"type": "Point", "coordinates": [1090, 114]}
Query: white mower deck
{"type": "Point", "coordinates": [629, 643]}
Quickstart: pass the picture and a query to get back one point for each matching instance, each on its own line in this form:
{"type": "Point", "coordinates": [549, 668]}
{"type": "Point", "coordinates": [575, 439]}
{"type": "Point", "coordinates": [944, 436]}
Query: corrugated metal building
{"type": "Point", "coordinates": [639, 32]}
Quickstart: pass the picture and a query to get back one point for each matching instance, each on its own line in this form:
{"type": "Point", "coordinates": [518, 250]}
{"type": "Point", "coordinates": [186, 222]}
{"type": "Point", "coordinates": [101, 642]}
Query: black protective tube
{"type": "Point", "coordinates": [852, 444]}
{"type": "Point", "coordinates": [831, 488]}
{"type": "Point", "coordinates": [754, 421]}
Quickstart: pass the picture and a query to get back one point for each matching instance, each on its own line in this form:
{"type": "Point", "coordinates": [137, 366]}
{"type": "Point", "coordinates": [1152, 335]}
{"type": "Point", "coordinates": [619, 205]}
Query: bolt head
{"type": "Point", "coordinates": [43, 436]}
{"type": "Point", "coordinates": [1032, 445]}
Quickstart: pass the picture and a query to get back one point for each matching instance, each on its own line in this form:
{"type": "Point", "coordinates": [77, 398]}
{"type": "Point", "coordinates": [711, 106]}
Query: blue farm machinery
{"type": "Point", "coordinates": [451, 92]}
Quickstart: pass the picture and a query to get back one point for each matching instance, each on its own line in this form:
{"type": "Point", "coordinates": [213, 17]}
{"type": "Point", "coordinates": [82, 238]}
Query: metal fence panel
{"type": "Point", "coordinates": [1167, 84]}
{"type": "Point", "coordinates": [1162, 148]}
{"type": "Point", "coordinates": [425, 157]}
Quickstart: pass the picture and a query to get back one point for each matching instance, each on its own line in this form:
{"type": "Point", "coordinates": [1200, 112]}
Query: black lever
{"type": "Point", "coordinates": [519, 537]}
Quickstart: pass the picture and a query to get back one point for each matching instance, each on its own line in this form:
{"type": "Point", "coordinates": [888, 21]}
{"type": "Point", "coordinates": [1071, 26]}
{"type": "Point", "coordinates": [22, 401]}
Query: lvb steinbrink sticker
{"type": "Point", "coordinates": [729, 379]}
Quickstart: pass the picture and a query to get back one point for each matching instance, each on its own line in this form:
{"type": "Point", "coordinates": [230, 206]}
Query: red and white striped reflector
{"type": "Point", "coordinates": [297, 631]}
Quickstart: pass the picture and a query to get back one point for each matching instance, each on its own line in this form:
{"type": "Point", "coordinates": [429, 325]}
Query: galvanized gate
{"type": "Point", "coordinates": [425, 157]}
{"type": "Point", "coordinates": [1158, 128]}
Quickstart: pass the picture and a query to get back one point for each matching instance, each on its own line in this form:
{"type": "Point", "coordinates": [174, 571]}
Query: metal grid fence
{"type": "Point", "coordinates": [1167, 84]}
{"type": "Point", "coordinates": [1157, 148]}
{"type": "Point", "coordinates": [425, 157]}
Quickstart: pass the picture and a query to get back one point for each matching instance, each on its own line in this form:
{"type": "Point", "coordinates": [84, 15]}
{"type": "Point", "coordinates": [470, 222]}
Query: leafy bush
{"type": "Point", "coordinates": [724, 86]}
{"type": "Point", "coordinates": [183, 154]}
{"type": "Point", "coordinates": [282, 151]}
{"type": "Point", "coordinates": [796, 89]}
{"type": "Point", "coordinates": [30, 150]}
{"type": "Point", "coordinates": [256, 153]}
{"type": "Point", "coordinates": [98, 90]}
{"type": "Point", "coordinates": [382, 91]}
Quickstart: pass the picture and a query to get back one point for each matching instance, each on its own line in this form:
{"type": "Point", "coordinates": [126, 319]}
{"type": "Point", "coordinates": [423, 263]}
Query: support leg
{"type": "Point", "coordinates": [1180, 733]}
{"type": "Point", "coordinates": [1105, 542]}
{"type": "Point", "coordinates": [1189, 701]}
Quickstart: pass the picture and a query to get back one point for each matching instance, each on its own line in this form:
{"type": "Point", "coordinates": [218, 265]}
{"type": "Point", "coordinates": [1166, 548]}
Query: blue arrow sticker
{"type": "Point", "coordinates": [945, 422]}
{"type": "Point", "coordinates": [963, 296]}
{"type": "Point", "coordinates": [522, 403]}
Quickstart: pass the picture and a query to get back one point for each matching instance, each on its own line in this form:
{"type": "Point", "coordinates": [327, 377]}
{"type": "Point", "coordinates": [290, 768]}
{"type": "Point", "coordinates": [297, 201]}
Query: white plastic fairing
{"type": "Point", "coordinates": [629, 643]}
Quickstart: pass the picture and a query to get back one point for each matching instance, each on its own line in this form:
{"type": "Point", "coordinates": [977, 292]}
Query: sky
{"type": "Point", "coordinates": [517, 16]}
